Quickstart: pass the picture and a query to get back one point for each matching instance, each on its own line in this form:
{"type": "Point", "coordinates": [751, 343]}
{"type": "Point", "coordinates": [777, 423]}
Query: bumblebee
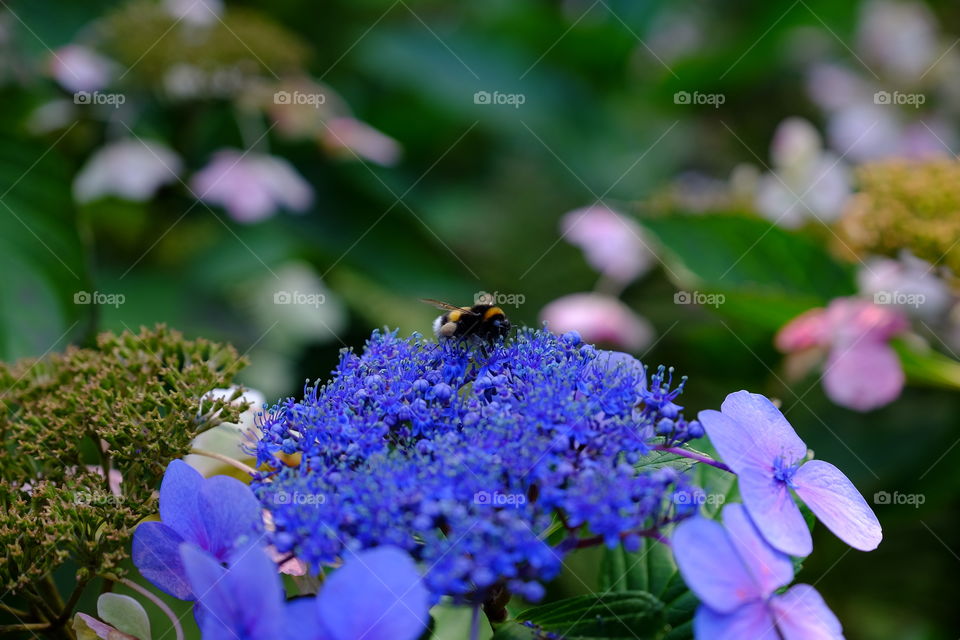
{"type": "Point", "coordinates": [486, 322]}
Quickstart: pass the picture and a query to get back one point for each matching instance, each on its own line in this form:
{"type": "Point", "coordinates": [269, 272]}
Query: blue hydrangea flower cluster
{"type": "Point", "coordinates": [485, 463]}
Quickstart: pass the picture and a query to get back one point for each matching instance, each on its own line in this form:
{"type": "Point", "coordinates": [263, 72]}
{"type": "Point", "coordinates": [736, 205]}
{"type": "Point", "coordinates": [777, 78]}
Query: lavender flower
{"type": "Point", "coordinates": [465, 457]}
{"type": "Point", "coordinates": [215, 514]}
{"type": "Point", "coordinates": [736, 575]}
{"type": "Point", "coordinates": [377, 595]}
{"type": "Point", "coordinates": [760, 446]}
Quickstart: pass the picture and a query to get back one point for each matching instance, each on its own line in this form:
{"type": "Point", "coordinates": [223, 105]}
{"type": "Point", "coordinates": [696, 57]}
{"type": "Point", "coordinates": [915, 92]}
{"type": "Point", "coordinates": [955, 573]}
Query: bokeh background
{"type": "Point", "coordinates": [289, 175]}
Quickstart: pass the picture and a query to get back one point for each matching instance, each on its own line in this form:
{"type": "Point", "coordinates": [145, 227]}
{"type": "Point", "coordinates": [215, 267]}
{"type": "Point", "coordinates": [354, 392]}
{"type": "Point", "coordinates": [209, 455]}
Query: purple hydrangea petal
{"type": "Point", "coordinates": [244, 601]}
{"type": "Point", "coordinates": [864, 376]}
{"type": "Point", "coordinates": [229, 511]}
{"type": "Point", "coordinates": [838, 504]}
{"type": "Point", "coordinates": [376, 595]}
{"type": "Point", "coordinates": [774, 512]}
{"type": "Point", "coordinates": [771, 432]}
{"type": "Point", "coordinates": [801, 614]}
{"type": "Point", "coordinates": [752, 620]}
{"type": "Point", "coordinates": [711, 566]}
{"type": "Point", "coordinates": [733, 442]}
{"type": "Point", "coordinates": [303, 620]}
{"type": "Point", "coordinates": [179, 502]}
{"type": "Point", "coordinates": [769, 568]}
{"type": "Point", "coordinates": [156, 553]}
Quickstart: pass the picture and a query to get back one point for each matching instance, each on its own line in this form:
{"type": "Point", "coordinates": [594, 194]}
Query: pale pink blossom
{"type": "Point", "coordinates": [349, 136]}
{"type": "Point", "coordinates": [861, 370]}
{"type": "Point", "coordinates": [613, 244]}
{"type": "Point", "coordinates": [129, 168]}
{"type": "Point", "coordinates": [599, 319]}
{"type": "Point", "coordinates": [251, 186]}
{"type": "Point", "coordinates": [78, 68]}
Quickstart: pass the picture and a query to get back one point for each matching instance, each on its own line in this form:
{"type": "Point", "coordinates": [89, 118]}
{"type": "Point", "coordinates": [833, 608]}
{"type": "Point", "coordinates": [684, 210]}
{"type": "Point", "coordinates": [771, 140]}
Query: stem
{"type": "Point", "coordinates": [177, 629]}
{"type": "Point", "coordinates": [475, 623]}
{"type": "Point", "coordinates": [236, 464]}
{"type": "Point", "coordinates": [20, 613]}
{"type": "Point", "coordinates": [699, 457]}
{"type": "Point", "coordinates": [71, 603]}
{"type": "Point", "coordinates": [27, 626]}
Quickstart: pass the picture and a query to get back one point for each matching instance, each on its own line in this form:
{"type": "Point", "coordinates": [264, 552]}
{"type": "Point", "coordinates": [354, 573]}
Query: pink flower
{"type": "Point", "coordinates": [613, 244]}
{"type": "Point", "coordinates": [77, 68]}
{"type": "Point", "coordinates": [599, 319]}
{"type": "Point", "coordinates": [861, 371]}
{"type": "Point", "coordinates": [345, 135]}
{"type": "Point", "coordinates": [251, 186]}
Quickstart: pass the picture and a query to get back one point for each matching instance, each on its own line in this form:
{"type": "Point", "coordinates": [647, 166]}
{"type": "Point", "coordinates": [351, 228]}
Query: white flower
{"type": "Point", "coordinates": [805, 180]}
{"type": "Point", "coordinates": [195, 12]}
{"type": "Point", "coordinates": [226, 438]}
{"type": "Point", "coordinates": [909, 283]}
{"type": "Point", "coordinates": [129, 168]}
{"type": "Point", "coordinates": [899, 36]}
{"type": "Point", "coordinates": [77, 68]}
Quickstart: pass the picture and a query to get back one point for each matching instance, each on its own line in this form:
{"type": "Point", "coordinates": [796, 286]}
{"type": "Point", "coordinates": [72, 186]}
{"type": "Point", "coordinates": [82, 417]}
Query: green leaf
{"type": "Point", "coordinates": [926, 366]}
{"type": "Point", "coordinates": [627, 614]}
{"type": "Point", "coordinates": [767, 275]}
{"type": "Point", "coordinates": [125, 614]}
{"type": "Point", "coordinates": [652, 568]}
{"type": "Point", "coordinates": [660, 459]}
{"type": "Point", "coordinates": [40, 251]}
